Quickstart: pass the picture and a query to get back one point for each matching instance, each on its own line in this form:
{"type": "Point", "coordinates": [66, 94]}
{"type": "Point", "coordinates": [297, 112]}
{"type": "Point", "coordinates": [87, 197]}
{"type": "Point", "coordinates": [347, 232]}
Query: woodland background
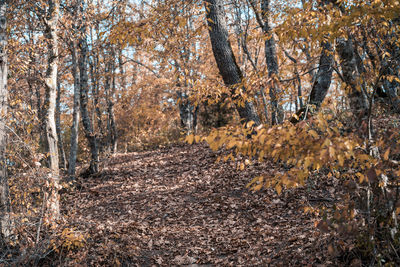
{"type": "Point", "coordinates": [302, 95]}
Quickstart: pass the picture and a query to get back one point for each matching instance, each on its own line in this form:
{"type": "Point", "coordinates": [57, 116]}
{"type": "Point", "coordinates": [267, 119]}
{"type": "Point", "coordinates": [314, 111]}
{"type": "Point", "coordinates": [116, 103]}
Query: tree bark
{"type": "Point", "coordinates": [224, 57]}
{"type": "Point", "coordinates": [75, 114]}
{"type": "Point", "coordinates": [109, 89]}
{"type": "Point", "coordinates": [94, 63]}
{"type": "Point", "coordinates": [272, 65]}
{"type": "Point", "coordinates": [323, 77]}
{"type": "Point", "coordinates": [111, 115]}
{"type": "Point", "coordinates": [392, 68]}
{"type": "Point", "coordinates": [51, 23]}
{"type": "Point", "coordinates": [322, 82]}
{"type": "Point", "coordinates": [187, 112]}
{"type": "Point", "coordinates": [84, 96]}
{"type": "Point", "coordinates": [351, 75]}
{"type": "Point", "coordinates": [6, 228]}
{"type": "Point", "coordinates": [61, 151]}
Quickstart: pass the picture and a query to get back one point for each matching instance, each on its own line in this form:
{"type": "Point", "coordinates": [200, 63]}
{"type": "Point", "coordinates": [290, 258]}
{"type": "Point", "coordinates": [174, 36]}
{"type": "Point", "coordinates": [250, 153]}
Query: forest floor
{"type": "Point", "coordinates": [178, 206]}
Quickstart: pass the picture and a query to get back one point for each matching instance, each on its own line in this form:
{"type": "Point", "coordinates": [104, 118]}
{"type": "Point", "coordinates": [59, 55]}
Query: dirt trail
{"type": "Point", "coordinates": [177, 206]}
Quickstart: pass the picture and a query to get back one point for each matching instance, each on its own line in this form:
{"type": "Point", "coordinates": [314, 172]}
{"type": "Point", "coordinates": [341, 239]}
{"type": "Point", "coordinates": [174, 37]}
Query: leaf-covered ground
{"type": "Point", "coordinates": [178, 206]}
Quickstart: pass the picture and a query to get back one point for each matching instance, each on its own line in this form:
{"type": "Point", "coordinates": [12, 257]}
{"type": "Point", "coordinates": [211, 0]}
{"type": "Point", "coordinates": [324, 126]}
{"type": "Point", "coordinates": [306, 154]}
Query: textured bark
{"type": "Point", "coordinates": [94, 62]}
{"type": "Point", "coordinates": [323, 77]}
{"type": "Point", "coordinates": [51, 24]}
{"type": "Point", "coordinates": [322, 82]}
{"type": "Point", "coordinates": [111, 116]}
{"type": "Point", "coordinates": [5, 219]}
{"type": "Point", "coordinates": [351, 75]}
{"type": "Point", "coordinates": [84, 96]}
{"type": "Point", "coordinates": [224, 56]}
{"type": "Point", "coordinates": [109, 89]}
{"type": "Point", "coordinates": [61, 151]}
{"type": "Point", "coordinates": [392, 68]}
{"type": "Point", "coordinates": [272, 65]}
{"type": "Point", "coordinates": [188, 113]}
{"type": "Point", "coordinates": [75, 114]}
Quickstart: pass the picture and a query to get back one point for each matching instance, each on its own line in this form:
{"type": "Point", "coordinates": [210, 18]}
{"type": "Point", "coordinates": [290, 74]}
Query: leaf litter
{"type": "Point", "coordinates": [179, 206]}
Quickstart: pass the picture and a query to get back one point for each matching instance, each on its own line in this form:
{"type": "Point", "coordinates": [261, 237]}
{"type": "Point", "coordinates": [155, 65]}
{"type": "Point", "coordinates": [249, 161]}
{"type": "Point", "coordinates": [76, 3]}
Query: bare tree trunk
{"type": "Point", "coordinates": [392, 68]}
{"type": "Point", "coordinates": [187, 112]}
{"type": "Point", "coordinates": [114, 132]}
{"type": "Point", "coordinates": [6, 228]}
{"type": "Point", "coordinates": [224, 56]}
{"type": "Point", "coordinates": [95, 82]}
{"type": "Point", "coordinates": [351, 75]}
{"type": "Point", "coordinates": [61, 151]}
{"type": "Point", "coordinates": [84, 95]}
{"type": "Point", "coordinates": [52, 198]}
{"type": "Point", "coordinates": [75, 114]}
{"type": "Point", "coordinates": [109, 88]}
{"type": "Point", "coordinates": [272, 65]}
{"type": "Point", "coordinates": [322, 82]}
{"type": "Point", "coordinates": [323, 78]}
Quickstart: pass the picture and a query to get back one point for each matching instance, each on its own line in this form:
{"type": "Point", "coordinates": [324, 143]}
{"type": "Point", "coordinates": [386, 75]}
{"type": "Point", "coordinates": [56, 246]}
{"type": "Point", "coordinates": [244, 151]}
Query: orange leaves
{"type": "Point", "coordinates": [305, 148]}
{"type": "Point", "coordinates": [191, 138]}
{"type": "Point", "coordinates": [68, 239]}
{"type": "Point", "coordinates": [386, 155]}
{"type": "Point", "coordinates": [256, 184]}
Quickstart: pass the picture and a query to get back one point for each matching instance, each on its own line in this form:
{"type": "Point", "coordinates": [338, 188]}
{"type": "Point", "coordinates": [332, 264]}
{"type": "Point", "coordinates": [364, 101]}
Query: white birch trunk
{"type": "Point", "coordinates": [52, 197]}
{"type": "Point", "coordinates": [5, 220]}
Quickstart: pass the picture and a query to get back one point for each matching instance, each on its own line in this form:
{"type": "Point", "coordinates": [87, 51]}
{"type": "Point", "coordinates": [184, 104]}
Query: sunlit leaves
{"type": "Point", "coordinates": [305, 147]}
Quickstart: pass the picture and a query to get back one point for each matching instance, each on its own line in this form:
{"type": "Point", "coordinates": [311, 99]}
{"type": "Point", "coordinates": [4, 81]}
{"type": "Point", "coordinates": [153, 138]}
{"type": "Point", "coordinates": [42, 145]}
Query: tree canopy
{"type": "Point", "coordinates": [311, 87]}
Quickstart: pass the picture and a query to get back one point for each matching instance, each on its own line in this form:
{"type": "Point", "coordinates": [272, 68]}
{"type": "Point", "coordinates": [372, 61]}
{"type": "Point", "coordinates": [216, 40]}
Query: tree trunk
{"type": "Point", "coordinates": [61, 151]}
{"type": "Point", "coordinates": [225, 58]}
{"type": "Point", "coordinates": [272, 65]}
{"type": "Point", "coordinates": [351, 75]}
{"type": "Point", "coordinates": [75, 114]}
{"type": "Point", "coordinates": [392, 68]}
{"type": "Point", "coordinates": [84, 96]}
{"type": "Point", "coordinates": [109, 88]}
{"type": "Point", "coordinates": [52, 198]}
{"type": "Point", "coordinates": [323, 77]}
{"type": "Point", "coordinates": [121, 71]}
{"type": "Point", "coordinates": [6, 228]}
{"type": "Point", "coordinates": [95, 82]}
{"type": "Point", "coordinates": [187, 112]}
{"type": "Point", "coordinates": [322, 82]}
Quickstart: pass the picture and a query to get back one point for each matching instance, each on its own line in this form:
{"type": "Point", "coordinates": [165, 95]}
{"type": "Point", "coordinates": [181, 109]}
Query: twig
{"type": "Point", "coordinates": [41, 219]}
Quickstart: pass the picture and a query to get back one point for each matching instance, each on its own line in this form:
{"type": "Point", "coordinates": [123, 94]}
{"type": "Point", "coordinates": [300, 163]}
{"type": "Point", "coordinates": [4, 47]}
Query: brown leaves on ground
{"type": "Point", "coordinates": [178, 206]}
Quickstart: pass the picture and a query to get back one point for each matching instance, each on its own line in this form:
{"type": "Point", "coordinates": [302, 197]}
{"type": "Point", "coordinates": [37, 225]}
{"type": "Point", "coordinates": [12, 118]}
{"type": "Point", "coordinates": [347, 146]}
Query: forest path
{"type": "Point", "coordinates": [178, 206]}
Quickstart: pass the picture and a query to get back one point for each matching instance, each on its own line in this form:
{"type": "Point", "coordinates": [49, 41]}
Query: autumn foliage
{"type": "Point", "coordinates": [292, 96]}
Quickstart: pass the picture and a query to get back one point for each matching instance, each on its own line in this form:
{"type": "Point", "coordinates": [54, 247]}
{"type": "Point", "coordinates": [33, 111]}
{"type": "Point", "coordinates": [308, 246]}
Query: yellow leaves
{"type": "Point", "coordinates": [278, 188]}
{"type": "Point", "coordinates": [313, 134]}
{"type": "Point", "coordinates": [340, 160]}
{"type": "Point", "coordinates": [68, 239]}
{"type": "Point", "coordinates": [241, 166]}
{"type": "Point", "coordinates": [256, 184]}
{"type": "Point", "coordinates": [386, 155]}
{"type": "Point", "coordinates": [307, 162]}
{"type": "Point", "coordinates": [232, 143]}
{"type": "Point", "coordinates": [262, 139]}
{"type": "Point", "coordinates": [361, 177]}
{"type": "Point", "coordinates": [191, 138]}
{"type": "Point", "coordinates": [182, 22]}
{"type": "Point", "coordinates": [332, 152]}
